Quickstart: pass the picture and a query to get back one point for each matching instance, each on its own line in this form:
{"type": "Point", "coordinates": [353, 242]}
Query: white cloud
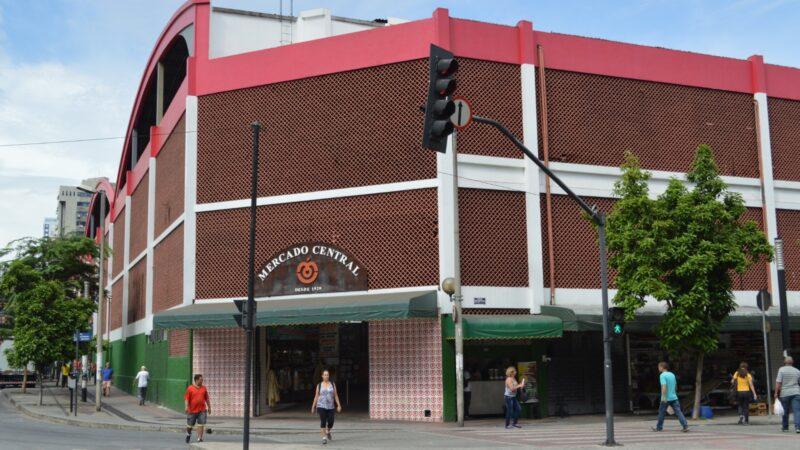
{"type": "Point", "coordinates": [44, 102]}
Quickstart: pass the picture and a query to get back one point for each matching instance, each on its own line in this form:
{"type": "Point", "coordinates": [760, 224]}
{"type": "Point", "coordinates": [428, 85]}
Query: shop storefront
{"type": "Point", "coordinates": [492, 343]}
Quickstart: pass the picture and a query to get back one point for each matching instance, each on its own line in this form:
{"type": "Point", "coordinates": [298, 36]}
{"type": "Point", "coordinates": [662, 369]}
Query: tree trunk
{"type": "Point", "coordinates": [41, 386]}
{"type": "Point", "coordinates": [698, 385]}
{"type": "Point", "coordinates": [25, 380]}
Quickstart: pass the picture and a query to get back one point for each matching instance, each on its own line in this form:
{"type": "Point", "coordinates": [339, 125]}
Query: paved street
{"type": "Point", "coordinates": [581, 432]}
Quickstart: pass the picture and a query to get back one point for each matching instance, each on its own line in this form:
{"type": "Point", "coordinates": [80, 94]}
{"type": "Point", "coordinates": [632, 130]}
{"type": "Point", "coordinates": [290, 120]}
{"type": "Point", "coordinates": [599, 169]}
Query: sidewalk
{"type": "Point", "coordinates": [122, 411]}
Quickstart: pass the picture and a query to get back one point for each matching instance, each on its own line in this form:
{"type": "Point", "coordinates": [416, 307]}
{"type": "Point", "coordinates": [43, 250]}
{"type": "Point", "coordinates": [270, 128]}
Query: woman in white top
{"type": "Point", "coordinates": [323, 403]}
{"type": "Point", "coordinates": [513, 408]}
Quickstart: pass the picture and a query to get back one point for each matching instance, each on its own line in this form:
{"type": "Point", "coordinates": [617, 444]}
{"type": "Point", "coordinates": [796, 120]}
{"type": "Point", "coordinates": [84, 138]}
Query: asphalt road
{"type": "Point", "coordinates": [18, 431]}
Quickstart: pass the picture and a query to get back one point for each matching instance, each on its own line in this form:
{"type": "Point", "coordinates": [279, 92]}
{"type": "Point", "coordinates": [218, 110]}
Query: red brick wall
{"type": "Point", "coordinates": [576, 253]}
{"type": "Point", "coordinates": [493, 90]}
{"type": "Point", "coordinates": [119, 243]}
{"type": "Point", "coordinates": [346, 129]}
{"type": "Point", "coordinates": [784, 117]}
{"type": "Point", "coordinates": [393, 235]}
{"type": "Point", "coordinates": [169, 178]}
{"type": "Point", "coordinates": [493, 235]}
{"type": "Point", "coordinates": [594, 119]}
{"type": "Point", "coordinates": [789, 231]}
{"type": "Point", "coordinates": [136, 291]}
{"type": "Point", "coordinates": [138, 213]}
{"type": "Point", "coordinates": [116, 305]}
{"type": "Point", "coordinates": [168, 271]}
{"type": "Point", "coordinates": [179, 342]}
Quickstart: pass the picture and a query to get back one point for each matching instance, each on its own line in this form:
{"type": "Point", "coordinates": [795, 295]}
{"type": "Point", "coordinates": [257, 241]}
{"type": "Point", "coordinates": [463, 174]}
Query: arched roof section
{"type": "Point", "coordinates": [183, 18]}
{"type": "Point", "coordinates": [102, 186]}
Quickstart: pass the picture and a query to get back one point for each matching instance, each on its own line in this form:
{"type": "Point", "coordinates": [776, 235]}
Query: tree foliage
{"type": "Point", "coordinates": [42, 286]}
{"type": "Point", "coordinates": [682, 248]}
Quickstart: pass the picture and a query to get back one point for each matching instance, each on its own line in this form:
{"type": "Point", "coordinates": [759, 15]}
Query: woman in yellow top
{"type": "Point", "coordinates": [745, 392]}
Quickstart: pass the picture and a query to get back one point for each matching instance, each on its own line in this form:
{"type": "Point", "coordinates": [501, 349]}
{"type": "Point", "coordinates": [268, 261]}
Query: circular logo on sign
{"type": "Point", "coordinates": [307, 271]}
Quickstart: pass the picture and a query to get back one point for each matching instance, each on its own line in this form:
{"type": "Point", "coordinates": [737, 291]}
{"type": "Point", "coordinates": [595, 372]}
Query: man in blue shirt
{"type": "Point", "coordinates": [108, 374]}
{"type": "Point", "coordinates": [669, 397]}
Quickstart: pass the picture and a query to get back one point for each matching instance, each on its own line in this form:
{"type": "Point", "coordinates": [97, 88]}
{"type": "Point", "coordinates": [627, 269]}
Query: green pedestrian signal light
{"type": "Point", "coordinates": [616, 318]}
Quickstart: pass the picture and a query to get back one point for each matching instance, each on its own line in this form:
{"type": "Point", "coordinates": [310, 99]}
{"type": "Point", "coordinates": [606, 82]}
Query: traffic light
{"type": "Point", "coordinates": [241, 317]}
{"type": "Point", "coordinates": [440, 106]}
{"type": "Point", "coordinates": [616, 317]}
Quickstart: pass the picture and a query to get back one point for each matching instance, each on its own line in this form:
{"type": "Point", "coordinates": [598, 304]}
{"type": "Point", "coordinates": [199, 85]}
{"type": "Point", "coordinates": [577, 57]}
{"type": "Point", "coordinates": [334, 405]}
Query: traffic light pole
{"type": "Point", "coordinates": [251, 303]}
{"type": "Point", "coordinates": [599, 219]}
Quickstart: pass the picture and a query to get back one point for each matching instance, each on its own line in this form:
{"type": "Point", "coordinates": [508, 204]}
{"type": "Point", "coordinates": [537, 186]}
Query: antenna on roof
{"type": "Point", "coordinates": [287, 23]}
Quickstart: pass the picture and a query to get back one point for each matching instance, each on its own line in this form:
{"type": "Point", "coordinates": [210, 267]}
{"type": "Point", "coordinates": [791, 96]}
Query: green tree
{"type": "Point", "coordinates": [42, 286]}
{"type": "Point", "coordinates": [682, 248]}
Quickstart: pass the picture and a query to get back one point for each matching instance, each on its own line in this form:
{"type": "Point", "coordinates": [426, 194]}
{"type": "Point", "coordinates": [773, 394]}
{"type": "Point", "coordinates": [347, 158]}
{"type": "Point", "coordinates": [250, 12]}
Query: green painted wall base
{"type": "Point", "coordinates": [169, 375]}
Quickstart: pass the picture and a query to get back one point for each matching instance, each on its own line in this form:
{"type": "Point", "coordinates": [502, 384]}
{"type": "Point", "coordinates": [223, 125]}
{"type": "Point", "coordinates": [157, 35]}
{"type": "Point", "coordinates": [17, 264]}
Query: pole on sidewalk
{"type": "Point", "coordinates": [251, 303]}
{"type": "Point", "coordinates": [764, 301]}
{"type": "Point", "coordinates": [599, 219]}
{"type": "Point", "coordinates": [98, 395]}
{"type": "Point", "coordinates": [607, 372]}
{"type": "Point", "coordinates": [75, 375]}
{"type": "Point", "coordinates": [457, 298]}
{"type": "Point", "coordinates": [785, 333]}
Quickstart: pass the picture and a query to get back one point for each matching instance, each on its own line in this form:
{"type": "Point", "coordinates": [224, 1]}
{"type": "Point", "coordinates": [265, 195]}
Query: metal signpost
{"type": "Point", "coordinates": [764, 301]}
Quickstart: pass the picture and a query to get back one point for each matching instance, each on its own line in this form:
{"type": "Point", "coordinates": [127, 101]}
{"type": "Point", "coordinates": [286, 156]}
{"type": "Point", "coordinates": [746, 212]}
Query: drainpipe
{"type": "Point", "coordinates": [546, 160]}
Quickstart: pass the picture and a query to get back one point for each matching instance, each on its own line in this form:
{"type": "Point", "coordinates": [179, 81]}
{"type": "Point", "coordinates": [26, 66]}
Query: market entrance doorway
{"type": "Point", "coordinates": [292, 360]}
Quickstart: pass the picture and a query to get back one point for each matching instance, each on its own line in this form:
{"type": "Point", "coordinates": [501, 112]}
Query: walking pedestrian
{"type": "Point", "coordinates": [108, 375]}
{"type": "Point", "coordinates": [198, 406]}
{"type": "Point", "coordinates": [324, 398]}
{"type": "Point", "coordinates": [669, 398]}
{"type": "Point", "coordinates": [64, 374]}
{"type": "Point", "coordinates": [787, 389]}
{"type": "Point", "coordinates": [142, 378]}
{"type": "Point", "coordinates": [745, 392]}
{"type": "Point", "coordinates": [513, 408]}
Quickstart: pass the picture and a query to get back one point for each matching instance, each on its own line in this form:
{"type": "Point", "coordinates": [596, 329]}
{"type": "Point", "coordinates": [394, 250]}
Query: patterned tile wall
{"type": "Point", "coordinates": [218, 354]}
{"type": "Point", "coordinates": [405, 373]}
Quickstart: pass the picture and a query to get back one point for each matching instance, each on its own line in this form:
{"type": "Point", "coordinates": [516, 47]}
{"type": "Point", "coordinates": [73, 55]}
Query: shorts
{"type": "Point", "coordinates": [196, 418]}
{"type": "Point", "coordinates": [325, 417]}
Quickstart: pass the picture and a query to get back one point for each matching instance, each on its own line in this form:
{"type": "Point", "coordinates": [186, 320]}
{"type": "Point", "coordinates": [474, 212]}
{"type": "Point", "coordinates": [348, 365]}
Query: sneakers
{"type": "Point", "coordinates": [324, 441]}
{"type": "Point", "coordinates": [508, 427]}
{"type": "Point", "coordinates": [330, 438]}
{"type": "Point", "coordinates": [685, 429]}
{"type": "Point", "coordinates": [655, 429]}
{"type": "Point", "coordinates": [188, 437]}
{"type": "Point", "coordinates": [797, 430]}
{"type": "Point", "coordinates": [785, 430]}
{"type": "Point", "coordinates": [516, 426]}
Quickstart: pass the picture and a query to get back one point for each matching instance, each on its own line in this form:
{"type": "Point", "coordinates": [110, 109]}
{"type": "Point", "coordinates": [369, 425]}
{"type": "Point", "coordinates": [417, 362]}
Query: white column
{"type": "Point", "coordinates": [151, 226]}
{"type": "Point", "coordinates": [190, 201]}
{"type": "Point", "coordinates": [768, 183]}
{"type": "Point", "coordinates": [533, 219]}
{"type": "Point", "coordinates": [126, 262]}
{"type": "Point", "coordinates": [447, 243]}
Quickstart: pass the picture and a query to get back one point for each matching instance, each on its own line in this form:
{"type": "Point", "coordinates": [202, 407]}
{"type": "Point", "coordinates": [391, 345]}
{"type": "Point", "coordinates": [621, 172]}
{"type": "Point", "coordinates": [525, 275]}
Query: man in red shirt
{"type": "Point", "coordinates": [198, 406]}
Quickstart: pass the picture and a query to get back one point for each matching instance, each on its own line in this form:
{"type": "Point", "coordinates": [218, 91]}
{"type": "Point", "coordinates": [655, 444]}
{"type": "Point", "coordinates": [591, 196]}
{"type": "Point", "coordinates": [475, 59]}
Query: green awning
{"type": "Point", "coordinates": [506, 327]}
{"type": "Point", "coordinates": [304, 310]}
{"type": "Point", "coordinates": [583, 319]}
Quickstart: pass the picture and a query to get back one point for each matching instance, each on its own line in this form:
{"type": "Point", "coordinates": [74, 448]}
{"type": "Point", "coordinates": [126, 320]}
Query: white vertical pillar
{"type": "Point", "coordinates": [446, 206]}
{"type": "Point", "coordinates": [151, 225]}
{"type": "Point", "coordinates": [190, 200]}
{"type": "Point", "coordinates": [125, 263]}
{"type": "Point", "coordinates": [533, 219]}
{"type": "Point", "coordinates": [768, 183]}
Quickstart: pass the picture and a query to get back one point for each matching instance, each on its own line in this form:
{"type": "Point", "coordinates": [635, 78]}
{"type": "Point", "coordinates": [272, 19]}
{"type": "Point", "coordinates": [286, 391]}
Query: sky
{"type": "Point", "coordinates": [69, 69]}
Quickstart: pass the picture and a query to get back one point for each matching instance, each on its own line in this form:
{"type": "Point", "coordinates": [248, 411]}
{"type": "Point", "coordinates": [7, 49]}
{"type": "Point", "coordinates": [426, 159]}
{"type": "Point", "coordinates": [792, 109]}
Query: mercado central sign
{"type": "Point", "coordinates": [310, 268]}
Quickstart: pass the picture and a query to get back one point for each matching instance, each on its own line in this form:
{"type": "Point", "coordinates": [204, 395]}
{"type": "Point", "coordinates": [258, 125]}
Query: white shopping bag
{"type": "Point", "coordinates": [778, 408]}
{"type": "Point", "coordinates": [670, 410]}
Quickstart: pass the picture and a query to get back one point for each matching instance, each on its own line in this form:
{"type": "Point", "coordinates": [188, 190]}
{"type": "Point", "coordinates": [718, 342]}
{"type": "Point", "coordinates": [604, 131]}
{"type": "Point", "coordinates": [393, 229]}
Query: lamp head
{"type": "Point", "coordinates": [449, 285]}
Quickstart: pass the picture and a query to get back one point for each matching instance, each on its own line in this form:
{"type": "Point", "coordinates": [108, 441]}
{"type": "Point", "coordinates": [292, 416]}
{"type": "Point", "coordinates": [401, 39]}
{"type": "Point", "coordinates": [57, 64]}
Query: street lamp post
{"type": "Point", "coordinates": [98, 397]}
